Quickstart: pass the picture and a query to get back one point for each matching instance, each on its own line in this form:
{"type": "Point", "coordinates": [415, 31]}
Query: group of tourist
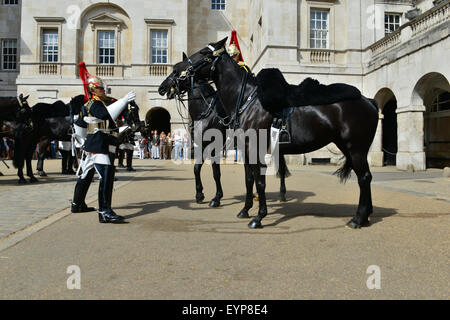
{"type": "Point", "coordinates": [165, 146]}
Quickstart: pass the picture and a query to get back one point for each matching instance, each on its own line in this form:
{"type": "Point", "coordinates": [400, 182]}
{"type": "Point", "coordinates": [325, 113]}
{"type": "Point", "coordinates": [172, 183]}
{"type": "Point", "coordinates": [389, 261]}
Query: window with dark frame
{"type": "Point", "coordinates": [10, 2]}
{"type": "Point", "coordinates": [50, 44]}
{"type": "Point", "coordinates": [218, 4]}
{"type": "Point", "coordinates": [9, 54]}
{"type": "Point", "coordinates": [106, 47]}
{"type": "Point", "coordinates": [441, 102]}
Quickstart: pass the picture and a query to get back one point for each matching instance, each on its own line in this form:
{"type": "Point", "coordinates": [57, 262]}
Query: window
{"type": "Point", "coordinates": [391, 22]}
{"type": "Point", "coordinates": [319, 29]}
{"type": "Point", "coordinates": [9, 54]}
{"type": "Point", "coordinates": [441, 103]}
{"type": "Point", "coordinates": [159, 46]}
{"type": "Point", "coordinates": [218, 4]}
{"type": "Point", "coordinates": [10, 2]}
{"type": "Point", "coordinates": [49, 45]}
{"type": "Point", "coordinates": [106, 47]}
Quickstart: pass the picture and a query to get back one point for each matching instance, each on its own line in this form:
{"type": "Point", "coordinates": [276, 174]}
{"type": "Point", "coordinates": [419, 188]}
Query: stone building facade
{"type": "Point", "coordinates": [395, 51]}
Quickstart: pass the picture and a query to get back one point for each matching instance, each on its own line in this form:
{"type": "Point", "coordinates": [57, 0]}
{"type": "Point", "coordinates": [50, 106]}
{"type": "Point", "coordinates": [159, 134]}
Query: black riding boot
{"type": "Point", "coordinates": [120, 154]}
{"type": "Point", "coordinates": [79, 195]}
{"type": "Point", "coordinates": [70, 164]}
{"type": "Point", "coordinates": [130, 160]}
{"type": "Point", "coordinates": [64, 161]}
{"type": "Point", "coordinates": [105, 213]}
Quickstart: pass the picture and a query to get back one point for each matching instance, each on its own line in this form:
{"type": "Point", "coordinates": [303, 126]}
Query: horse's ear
{"type": "Point", "coordinates": [25, 99]}
{"type": "Point", "coordinates": [21, 97]}
{"type": "Point", "coordinates": [184, 56]}
{"type": "Point", "coordinates": [221, 43]}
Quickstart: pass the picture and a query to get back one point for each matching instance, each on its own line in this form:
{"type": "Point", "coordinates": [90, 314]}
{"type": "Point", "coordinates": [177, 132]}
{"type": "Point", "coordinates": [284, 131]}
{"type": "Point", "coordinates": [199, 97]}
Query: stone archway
{"type": "Point", "coordinates": [387, 103]}
{"type": "Point", "coordinates": [433, 92]}
{"type": "Point", "coordinates": [158, 118]}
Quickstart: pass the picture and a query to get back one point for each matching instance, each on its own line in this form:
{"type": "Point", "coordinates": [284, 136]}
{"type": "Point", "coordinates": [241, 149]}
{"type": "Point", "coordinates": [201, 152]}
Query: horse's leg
{"type": "Point", "coordinates": [215, 202]}
{"type": "Point", "coordinates": [282, 171]}
{"type": "Point", "coordinates": [249, 179]}
{"type": "Point", "coordinates": [19, 159]}
{"type": "Point", "coordinates": [260, 181]}
{"type": "Point", "coordinates": [41, 156]}
{"type": "Point", "coordinates": [365, 208]}
{"type": "Point", "coordinates": [28, 157]}
{"type": "Point", "coordinates": [199, 196]}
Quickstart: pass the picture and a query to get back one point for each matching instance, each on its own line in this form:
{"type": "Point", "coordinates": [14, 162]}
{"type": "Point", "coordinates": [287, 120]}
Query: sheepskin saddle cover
{"type": "Point", "coordinates": [276, 94]}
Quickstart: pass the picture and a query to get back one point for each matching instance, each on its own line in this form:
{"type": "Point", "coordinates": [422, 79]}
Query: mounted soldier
{"type": "Point", "coordinates": [97, 129]}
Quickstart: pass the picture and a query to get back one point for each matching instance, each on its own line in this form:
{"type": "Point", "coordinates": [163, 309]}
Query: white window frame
{"type": "Point", "coordinates": [43, 46]}
{"type": "Point", "coordinates": [98, 32]}
{"type": "Point", "coordinates": [3, 41]}
{"type": "Point", "coordinates": [218, 5]}
{"type": "Point", "coordinates": [45, 23]}
{"type": "Point", "coordinates": [161, 47]}
{"type": "Point", "coordinates": [313, 41]}
{"type": "Point", "coordinates": [159, 25]}
{"type": "Point", "coordinates": [387, 30]}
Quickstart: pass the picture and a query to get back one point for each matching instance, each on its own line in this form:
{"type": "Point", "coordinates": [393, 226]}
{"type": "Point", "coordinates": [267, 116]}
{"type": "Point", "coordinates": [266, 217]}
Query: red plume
{"type": "Point", "coordinates": [234, 40]}
{"type": "Point", "coordinates": [84, 75]}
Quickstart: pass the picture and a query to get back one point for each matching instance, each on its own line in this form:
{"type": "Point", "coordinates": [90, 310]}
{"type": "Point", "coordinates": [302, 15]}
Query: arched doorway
{"type": "Point", "coordinates": [433, 92]}
{"type": "Point", "coordinates": [388, 104]}
{"type": "Point", "coordinates": [158, 119]}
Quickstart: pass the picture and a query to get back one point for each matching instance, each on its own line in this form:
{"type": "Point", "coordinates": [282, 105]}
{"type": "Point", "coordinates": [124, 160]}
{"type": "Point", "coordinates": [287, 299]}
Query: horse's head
{"type": "Point", "coordinates": [23, 110]}
{"type": "Point", "coordinates": [197, 67]}
{"type": "Point", "coordinates": [77, 103]}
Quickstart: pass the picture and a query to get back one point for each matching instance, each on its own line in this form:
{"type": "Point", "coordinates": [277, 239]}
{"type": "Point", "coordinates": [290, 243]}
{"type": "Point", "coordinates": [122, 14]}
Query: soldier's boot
{"type": "Point", "coordinates": [79, 195]}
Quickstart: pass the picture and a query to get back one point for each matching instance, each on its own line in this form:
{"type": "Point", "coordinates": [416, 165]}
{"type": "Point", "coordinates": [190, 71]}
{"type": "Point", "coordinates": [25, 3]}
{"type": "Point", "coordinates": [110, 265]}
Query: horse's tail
{"type": "Point", "coordinates": [344, 172]}
{"type": "Point", "coordinates": [282, 168]}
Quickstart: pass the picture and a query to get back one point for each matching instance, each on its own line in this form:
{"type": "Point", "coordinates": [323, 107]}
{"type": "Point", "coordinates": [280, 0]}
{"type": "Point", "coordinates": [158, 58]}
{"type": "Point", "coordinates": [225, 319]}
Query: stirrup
{"type": "Point", "coordinates": [284, 136]}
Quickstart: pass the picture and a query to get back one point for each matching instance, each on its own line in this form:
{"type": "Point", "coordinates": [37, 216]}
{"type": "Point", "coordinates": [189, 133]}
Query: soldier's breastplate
{"type": "Point", "coordinates": [98, 124]}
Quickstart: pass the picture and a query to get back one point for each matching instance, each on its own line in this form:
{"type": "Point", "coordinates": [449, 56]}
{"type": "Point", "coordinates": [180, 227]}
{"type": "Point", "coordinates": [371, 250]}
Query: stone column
{"type": "Point", "coordinates": [410, 155]}
{"type": "Point", "coordinates": [376, 155]}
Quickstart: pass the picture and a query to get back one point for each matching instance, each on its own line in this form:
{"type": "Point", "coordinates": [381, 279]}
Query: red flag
{"type": "Point", "coordinates": [234, 40]}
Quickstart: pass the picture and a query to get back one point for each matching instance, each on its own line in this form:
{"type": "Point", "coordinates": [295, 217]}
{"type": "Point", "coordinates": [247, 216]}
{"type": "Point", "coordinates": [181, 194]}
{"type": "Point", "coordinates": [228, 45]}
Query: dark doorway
{"type": "Point", "coordinates": [158, 119]}
{"type": "Point", "coordinates": [390, 133]}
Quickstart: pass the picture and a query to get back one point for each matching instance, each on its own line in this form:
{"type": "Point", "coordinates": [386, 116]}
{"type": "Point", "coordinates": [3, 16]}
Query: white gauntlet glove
{"type": "Point", "coordinates": [117, 107]}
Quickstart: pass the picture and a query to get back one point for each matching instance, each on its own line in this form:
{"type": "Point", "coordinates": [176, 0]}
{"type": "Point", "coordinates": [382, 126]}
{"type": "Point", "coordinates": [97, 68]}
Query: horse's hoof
{"type": "Point", "coordinates": [282, 199]}
{"type": "Point", "coordinates": [255, 224]}
{"type": "Point", "coordinates": [214, 203]}
{"type": "Point", "coordinates": [243, 214]}
{"type": "Point", "coordinates": [22, 181]}
{"type": "Point", "coordinates": [199, 199]}
{"type": "Point", "coordinates": [352, 224]}
{"type": "Point", "coordinates": [42, 174]}
{"type": "Point", "coordinates": [33, 180]}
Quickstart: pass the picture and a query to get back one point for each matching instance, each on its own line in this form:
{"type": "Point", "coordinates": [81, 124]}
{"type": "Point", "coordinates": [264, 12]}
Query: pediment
{"type": "Point", "coordinates": [105, 18]}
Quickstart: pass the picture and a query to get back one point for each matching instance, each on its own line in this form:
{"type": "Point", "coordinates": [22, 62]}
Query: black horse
{"type": "Point", "coordinates": [207, 112]}
{"type": "Point", "coordinates": [16, 123]}
{"type": "Point", "coordinates": [203, 106]}
{"type": "Point", "coordinates": [350, 124]}
{"type": "Point", "coordinates": [54, 122]}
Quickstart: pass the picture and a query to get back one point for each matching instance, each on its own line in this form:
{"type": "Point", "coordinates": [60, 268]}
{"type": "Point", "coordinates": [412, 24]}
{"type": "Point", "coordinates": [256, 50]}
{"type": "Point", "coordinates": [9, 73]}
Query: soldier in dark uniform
{"type": "Point", "coordinates": [97, 127]}
{"type": "Point", "coordinates": [126, 148]}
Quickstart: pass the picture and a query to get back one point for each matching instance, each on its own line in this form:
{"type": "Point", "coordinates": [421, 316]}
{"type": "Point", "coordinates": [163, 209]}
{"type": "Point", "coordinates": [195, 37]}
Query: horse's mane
{"type": "Point", "coordinates": [47, 110]}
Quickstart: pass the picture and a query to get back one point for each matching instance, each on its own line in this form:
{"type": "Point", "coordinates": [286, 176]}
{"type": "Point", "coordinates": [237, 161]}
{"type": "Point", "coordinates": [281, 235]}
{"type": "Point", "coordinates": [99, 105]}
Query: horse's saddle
{"type": "Point", "coordinates": [275, 94]}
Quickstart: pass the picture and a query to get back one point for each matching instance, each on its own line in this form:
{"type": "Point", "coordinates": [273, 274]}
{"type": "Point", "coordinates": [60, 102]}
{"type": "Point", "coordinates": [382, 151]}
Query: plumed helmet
{"type": "Point", "coordinates": [90, 82]}
{"type": "Point", "coordinates": [233, 50]}
{"type": "Point", "coordinates": [95, 82]}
